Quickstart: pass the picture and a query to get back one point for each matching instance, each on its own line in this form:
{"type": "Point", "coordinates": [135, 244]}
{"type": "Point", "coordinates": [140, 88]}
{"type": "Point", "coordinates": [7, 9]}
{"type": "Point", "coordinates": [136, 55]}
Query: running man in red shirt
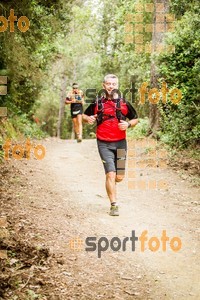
{"type": "Point", "coordinates": [111, 113]}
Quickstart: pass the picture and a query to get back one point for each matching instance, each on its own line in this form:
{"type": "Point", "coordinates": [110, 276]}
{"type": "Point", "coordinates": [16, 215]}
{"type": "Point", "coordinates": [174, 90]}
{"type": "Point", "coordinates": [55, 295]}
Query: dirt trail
{"type": "Point", "coordinates": [66, 200]}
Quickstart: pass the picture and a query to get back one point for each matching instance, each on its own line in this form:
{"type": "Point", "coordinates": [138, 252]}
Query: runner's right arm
{"type": "Point", "coordinates": [89, 115]}
{"type": "Point", "coordinates": [68, 101]}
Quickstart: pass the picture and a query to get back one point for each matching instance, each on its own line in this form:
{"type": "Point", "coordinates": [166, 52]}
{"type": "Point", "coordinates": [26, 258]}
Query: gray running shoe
{"type": "Point", "coordinates": [114, 210]}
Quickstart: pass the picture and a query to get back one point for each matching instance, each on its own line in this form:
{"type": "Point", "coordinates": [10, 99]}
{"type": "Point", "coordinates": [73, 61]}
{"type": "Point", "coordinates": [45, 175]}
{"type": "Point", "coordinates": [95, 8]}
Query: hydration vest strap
{"type": "Point", "coordinates": [99, 111]}
{"type": "Point", "coordinates": [102, 117]}
{"type": "Point", "coordinates": [118, 110]}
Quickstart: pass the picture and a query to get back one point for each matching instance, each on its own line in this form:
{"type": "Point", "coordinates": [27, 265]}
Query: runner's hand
{"type": "Point", "coordinates": [91, 119]}
{"type": "Point", "coordinates": [123, 125]}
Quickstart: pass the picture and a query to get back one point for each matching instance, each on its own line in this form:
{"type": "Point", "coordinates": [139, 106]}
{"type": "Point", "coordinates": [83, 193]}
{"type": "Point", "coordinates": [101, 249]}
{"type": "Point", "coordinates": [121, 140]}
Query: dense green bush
{"type": "Point", "coordinates": [140, 130]}
{"type": "Point", "coordinates": [181, 123]}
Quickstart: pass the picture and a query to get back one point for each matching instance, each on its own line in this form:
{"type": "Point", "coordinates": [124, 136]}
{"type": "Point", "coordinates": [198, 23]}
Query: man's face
{"type": "Point", "coordinates": [110, 85]}
{"type": "Point", "coordinates": [75, 90]}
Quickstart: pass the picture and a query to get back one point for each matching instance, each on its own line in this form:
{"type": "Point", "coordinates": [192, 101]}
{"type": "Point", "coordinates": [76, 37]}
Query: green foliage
{"type": "Point", "coordinates": [140, 130]}
{"type": "Point", "coordinates": [180, 123]}
{"type": "Point", "coordinates": [89, 132]}
{"type": "Point", "coordinates": [47, 109]}
{"type": "Point", "coordinates": [66, 126]}
{"type": "Point", "coordinates": [84, 42]}
{"type": "Point", "coordinates": [20, 126]}
{"type": "Point", "coordinates": [32, 295]}
{"type": "Point", "coordinates": [26, 56]}
{"type": "Point", "coordinates": [180, 7]}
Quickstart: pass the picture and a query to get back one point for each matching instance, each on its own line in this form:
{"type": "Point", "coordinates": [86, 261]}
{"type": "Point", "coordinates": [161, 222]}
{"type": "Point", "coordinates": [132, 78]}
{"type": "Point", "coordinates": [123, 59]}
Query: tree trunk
{"type": "Point", "coordinates": [62, 105]}
{"type": "Point", "coordinates": [157, 40]}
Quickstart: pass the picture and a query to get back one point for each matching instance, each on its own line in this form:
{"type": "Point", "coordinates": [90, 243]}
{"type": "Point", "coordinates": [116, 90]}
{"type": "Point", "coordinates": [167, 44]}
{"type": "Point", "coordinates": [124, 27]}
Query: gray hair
{"type": "Point", "coordinates": [110, 76]}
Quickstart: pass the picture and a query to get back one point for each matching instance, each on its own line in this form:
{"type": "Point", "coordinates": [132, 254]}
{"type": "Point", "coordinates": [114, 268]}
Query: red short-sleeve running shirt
{"type": "Point", "coordinates": [108, 130]}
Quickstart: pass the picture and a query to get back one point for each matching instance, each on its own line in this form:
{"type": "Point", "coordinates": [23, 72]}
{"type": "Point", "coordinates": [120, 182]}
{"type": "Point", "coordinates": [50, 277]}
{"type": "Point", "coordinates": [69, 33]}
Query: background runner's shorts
{"type": "Point", "coordinates": [76, 112]}
{"type": "Point", "coordinates": [113, 155]}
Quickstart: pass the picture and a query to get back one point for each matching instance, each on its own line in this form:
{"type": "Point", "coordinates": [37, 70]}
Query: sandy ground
{"type": "Point", "coordinates": [61, 200]}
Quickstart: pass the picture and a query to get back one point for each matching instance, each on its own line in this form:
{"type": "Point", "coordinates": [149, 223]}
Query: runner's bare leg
{"type": "Point", "coordinates": [79, 125]}
{"type": "Point", "coordinates": [110, 186]}
{"type": "Point", "coordinates": [119, 178]}
{"type": "Point", "coordinates": [75, 126]}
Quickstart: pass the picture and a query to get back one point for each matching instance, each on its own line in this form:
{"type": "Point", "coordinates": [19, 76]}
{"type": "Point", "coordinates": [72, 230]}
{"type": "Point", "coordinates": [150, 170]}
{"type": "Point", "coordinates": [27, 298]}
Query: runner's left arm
{"type": "Point", "coordinates": [132, 115]}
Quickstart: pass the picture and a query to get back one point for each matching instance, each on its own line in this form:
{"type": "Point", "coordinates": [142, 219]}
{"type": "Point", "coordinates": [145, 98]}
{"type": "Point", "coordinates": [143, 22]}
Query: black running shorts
{"type": "Point", "coordinates": [113, 155]}
{"type": "Point", "coordinates": [76, 109]}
